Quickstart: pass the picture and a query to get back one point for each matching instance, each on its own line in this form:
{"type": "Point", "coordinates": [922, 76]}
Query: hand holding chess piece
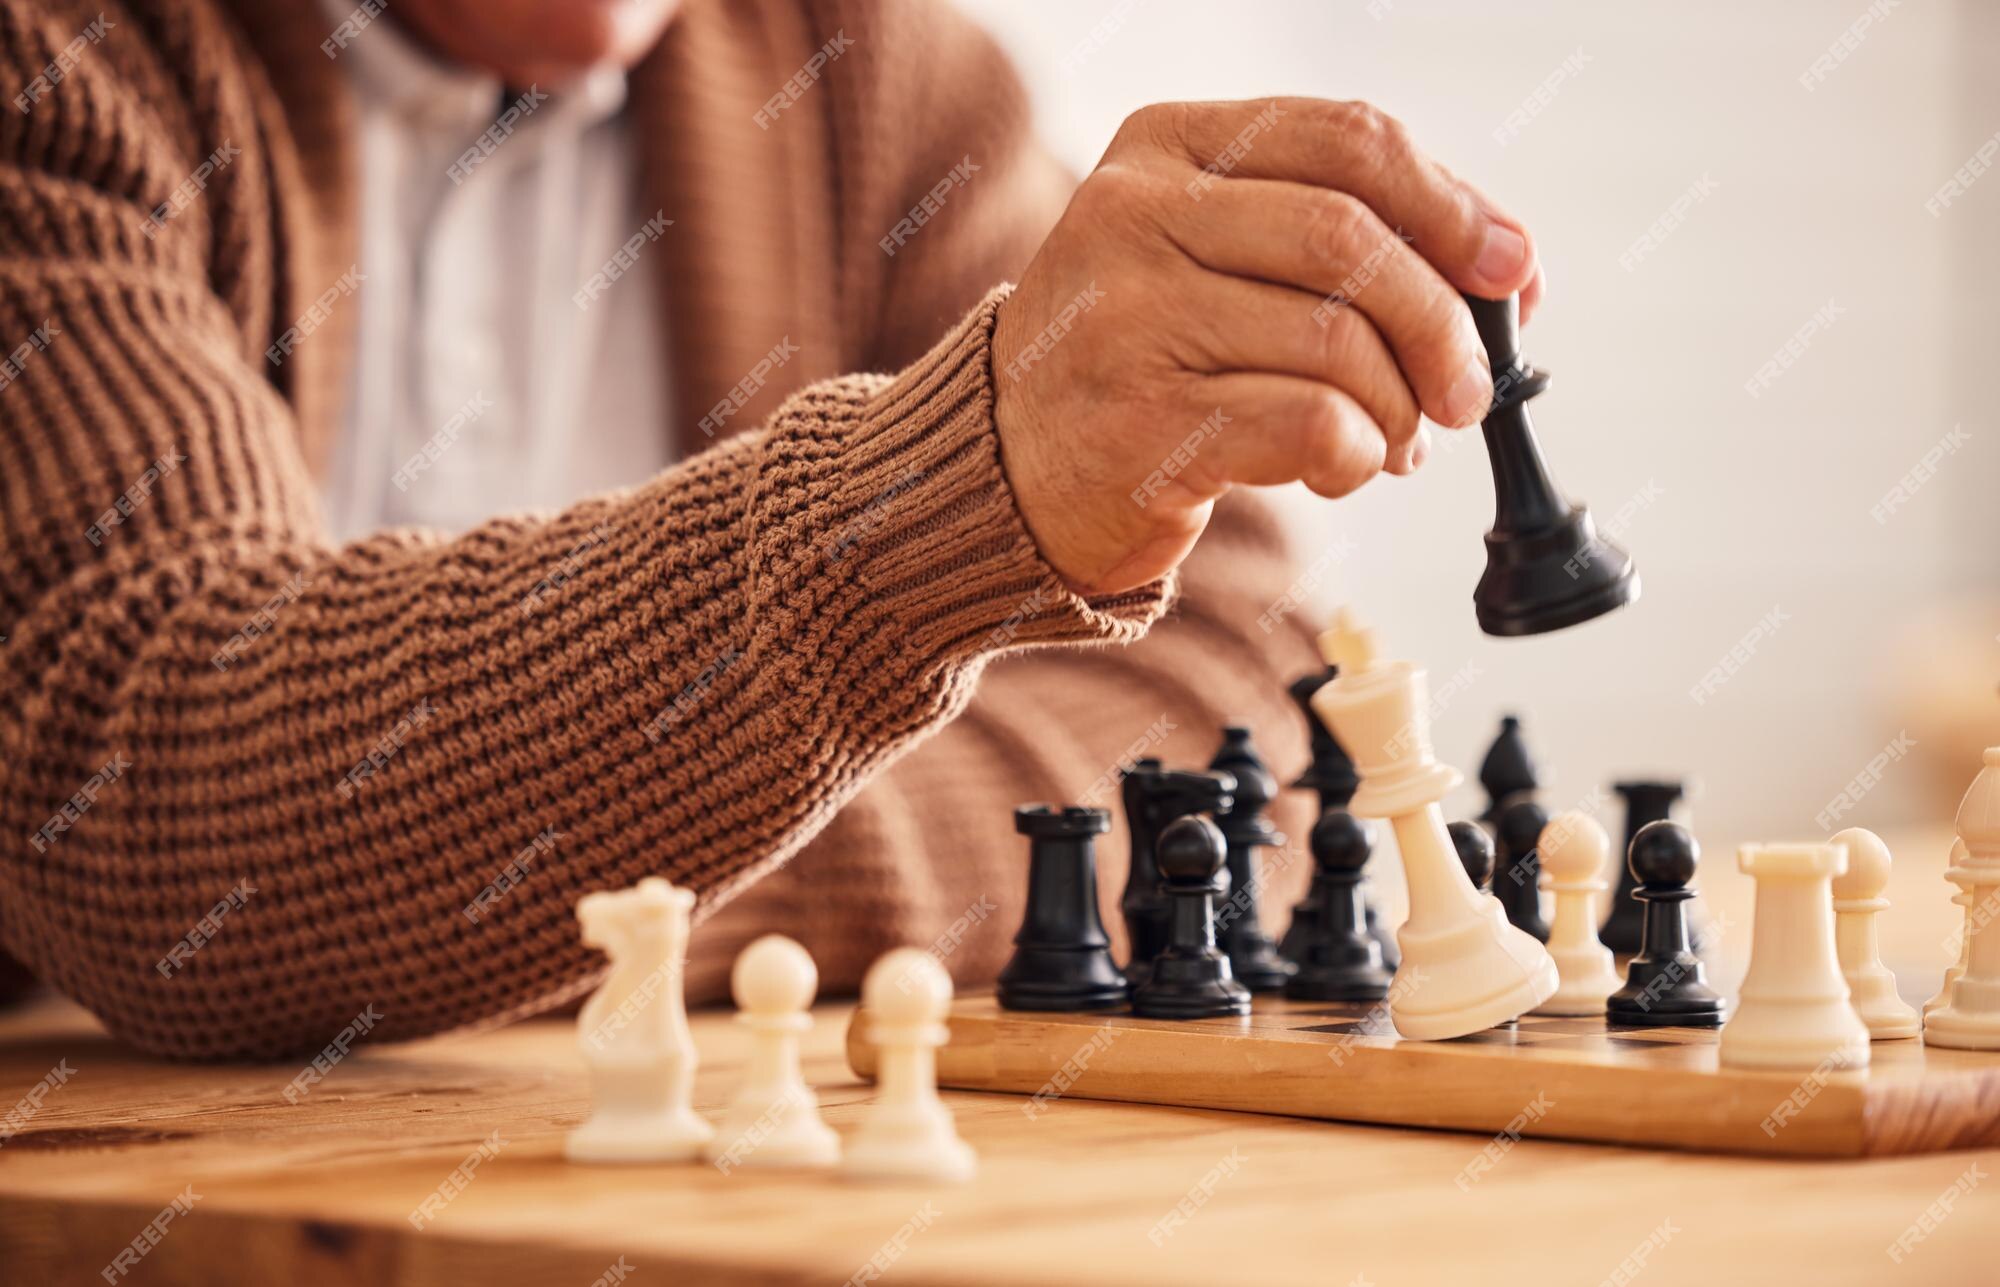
{"type": "Point", "coordinates": [634, 1030]}
{"type": "Point", "coordinates": [1476, 970]}
{"type": "Point", "coordinates": [907, 1133]}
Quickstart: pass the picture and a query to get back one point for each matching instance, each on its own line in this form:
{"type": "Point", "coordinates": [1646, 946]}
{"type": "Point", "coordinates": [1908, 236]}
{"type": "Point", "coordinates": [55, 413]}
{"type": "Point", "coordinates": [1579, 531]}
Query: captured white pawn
{"type": "Point", "coordinates": [1794, 1013]}
{"type": "Point", "coordinates": [1857, 902]}
{"type": "Point", "coordinates": [774, 1119]}
{"type": "Point", "coordinates": [907, 1133]}
{"type": "Point", "coordinates": [1575, 855]}
{"type": "Point", "coordinates": [634, 1032]}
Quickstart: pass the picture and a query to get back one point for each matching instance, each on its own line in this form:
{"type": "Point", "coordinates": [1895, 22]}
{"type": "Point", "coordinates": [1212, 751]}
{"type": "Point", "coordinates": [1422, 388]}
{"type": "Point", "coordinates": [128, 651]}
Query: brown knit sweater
{"type": "Point", "coordinates": [821, 644]}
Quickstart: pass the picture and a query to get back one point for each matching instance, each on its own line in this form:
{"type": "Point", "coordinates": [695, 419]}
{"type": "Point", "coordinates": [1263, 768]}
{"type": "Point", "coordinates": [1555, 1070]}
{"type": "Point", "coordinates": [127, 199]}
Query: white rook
{"type": "Point", "coordinates": [1795, 1012]}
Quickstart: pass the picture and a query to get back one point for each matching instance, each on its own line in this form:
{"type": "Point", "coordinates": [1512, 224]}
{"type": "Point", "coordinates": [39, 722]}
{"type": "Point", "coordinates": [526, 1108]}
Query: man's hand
{"type": "Point", "coordinates": [1240, 293]}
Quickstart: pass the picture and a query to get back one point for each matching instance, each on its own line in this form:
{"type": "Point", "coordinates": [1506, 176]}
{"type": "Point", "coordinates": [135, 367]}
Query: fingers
{"type": "Point", "coordinates": [1353, 148]}
{"type": "Point", "coordinates": [1332, 245]}
{"type": "Point", "coordinates": [1278, 429]}
{"type": "Point", "coordinates": [1233, 324]}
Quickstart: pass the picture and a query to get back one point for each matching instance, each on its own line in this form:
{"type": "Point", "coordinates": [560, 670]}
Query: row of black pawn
{"type": "Point", "coordinates": [1190, 901]}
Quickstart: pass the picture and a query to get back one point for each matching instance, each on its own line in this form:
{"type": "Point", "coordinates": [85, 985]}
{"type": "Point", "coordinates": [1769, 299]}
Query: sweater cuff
{"type": "Point", "coordinates": [930, 527]}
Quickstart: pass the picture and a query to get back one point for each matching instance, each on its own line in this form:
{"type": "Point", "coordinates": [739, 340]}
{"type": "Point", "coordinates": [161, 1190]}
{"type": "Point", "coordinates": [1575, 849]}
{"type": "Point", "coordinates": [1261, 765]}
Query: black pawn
{"type": "Point", "coordinates": [1340, 962]}
{"type": "Point", "coordinates": [1507, 771]}
{"type": "Point", "coordinates": [1645, 803]}
{"type": "Point", "coordinates": [1664, 987]}
{"type": "Point", "coordinates": [1062, 957]}
{"type": "Point", "coordinates": [1517, 877]}
{"type": "Point", "coordinates": [1546, 565]}
{"type": "Point", "coordinates": [1475, 851]}
{"type": "Point", "coordinates": [1154, 797]}
{"type": "Point", "coordinates": [1191, 978]}
{"type": "Point", "coordinates": [1245, 830]}
{"type": "Point", "coordinates": [1332, 777]}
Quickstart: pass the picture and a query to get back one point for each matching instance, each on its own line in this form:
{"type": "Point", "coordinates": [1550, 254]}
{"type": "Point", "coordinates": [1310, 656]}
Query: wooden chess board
{"type": "Point", "coordinates": [1572, 1079]}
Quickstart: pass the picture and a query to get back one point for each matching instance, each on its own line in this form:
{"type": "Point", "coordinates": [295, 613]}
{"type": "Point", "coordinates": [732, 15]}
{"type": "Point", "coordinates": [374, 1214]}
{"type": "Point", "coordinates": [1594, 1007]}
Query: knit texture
{"type": "Point", "coordinates": [256, 783]}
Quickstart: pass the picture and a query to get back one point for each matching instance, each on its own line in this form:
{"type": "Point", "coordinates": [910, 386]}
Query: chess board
{"type": "Point", "coordinates": [1571, 1079]}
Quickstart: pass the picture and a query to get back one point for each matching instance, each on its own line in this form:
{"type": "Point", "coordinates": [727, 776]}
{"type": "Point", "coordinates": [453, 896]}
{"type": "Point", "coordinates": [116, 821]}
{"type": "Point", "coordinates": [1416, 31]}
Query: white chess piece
{"type": "Point", "coordinates": [1464, 967]}
{"type": "Point", "coordinates": [907, 1133]}
{"type": "Point", "coordinates": [1575, 855]}
{"type": "Point", "coordinates": [1970, 1017]}
{"type": "Point", "coordinates": [634, 1031]}
{"type": "Point", "coordinates": [1795, 1013]}
{"type": "Point", "coordinates": [1857, 903]}
{"type": "Point", "coordinates": [774, 1119]}
{"type": "Point", "coordinates": [1955, 969]}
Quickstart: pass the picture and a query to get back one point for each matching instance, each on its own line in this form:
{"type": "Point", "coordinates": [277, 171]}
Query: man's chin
{"type": "Point", "coordinates": [549, 43]}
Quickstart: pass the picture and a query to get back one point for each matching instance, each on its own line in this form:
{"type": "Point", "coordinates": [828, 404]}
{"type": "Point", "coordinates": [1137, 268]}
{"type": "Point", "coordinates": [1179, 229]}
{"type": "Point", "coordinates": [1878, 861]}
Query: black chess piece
{"type": "Point", "coordinates": [1475, 851]}
{"type": "Point", "coordinates": [1062, 957]}
{"type": "Point", "coordinates": [1191, 978]}
{"type": "Point", "coordinates": [1340, 962]}
{"type": "Point", "coordinates": [1332, 777]}
{"type": "Point", "coordinates": [1664, 985]}
{"type": "Point", "coordinates": [1645, 803]}
{"type": "Point", "coordinates": [1154, 797]}
{"type": "Point", "coordinates": [1507, 771]}
{"type": "Point", "coordinates": [1245, 829]}
{"type": "Point", "coordinates": [1517, 875]}
{"type": "Point", "coordinates": [1547, 567]}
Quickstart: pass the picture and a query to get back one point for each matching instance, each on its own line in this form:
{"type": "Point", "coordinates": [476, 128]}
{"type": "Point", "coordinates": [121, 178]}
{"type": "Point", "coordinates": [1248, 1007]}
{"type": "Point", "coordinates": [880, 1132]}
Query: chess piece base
{"type": "Point", "coordinates": [1260, 968]}
{"type": "Point", "coordinates": [1887, 1016]}
{"type": "Point", "coordinates": [1190, 988]}
{"type": "Point", "coordinates": [1474, 976]}
{"type": "Point", "coordinates": [1537, 582]}
{"type": "Point", "coordinates": [651, 1137]}
{"type": "Point", "coordinates": [1362, 982]}
{"type": "Point", "coordinates": [909, 1146]}
{"type": "Point", "coordinates": [1586, 981]}
{"type": "Point", "coordinates": [1666, 1012]}
{"type": "Point", "coordinates": [797, 1137]}
{"type": "Point", "coordinates": [1951, 1027]}
{"type": "Point", "coordinates": [1797, 1036]}
{"type": "Point", "coordinates": [1053, 996]}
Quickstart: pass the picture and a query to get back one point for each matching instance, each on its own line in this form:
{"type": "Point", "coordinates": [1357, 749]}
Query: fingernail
{"type": "Point", "coordinates": [1420, 448]}
{"type": "Point", "coordinates": [1469, 395]}
{"type": "Point", "coordinates": [1502, 256]}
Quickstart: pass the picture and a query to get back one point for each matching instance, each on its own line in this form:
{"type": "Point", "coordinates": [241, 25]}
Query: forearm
{"type": "Point", "coordinates": [688, 679]}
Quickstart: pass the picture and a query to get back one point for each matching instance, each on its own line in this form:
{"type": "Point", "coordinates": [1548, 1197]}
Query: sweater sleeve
{"type": "Point", "coordinates": [257, 784]}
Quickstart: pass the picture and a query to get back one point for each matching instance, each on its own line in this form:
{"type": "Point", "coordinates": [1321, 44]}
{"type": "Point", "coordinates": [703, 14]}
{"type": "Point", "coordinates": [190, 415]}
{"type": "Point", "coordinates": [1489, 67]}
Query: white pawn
{"type": "Point", "coordinates": [1794, 1013]}
{"type": "Point", "coordinates": [907, 1133]}
{"type": "Point", "coordinates": [634, 1030]}
{"type": "Point", "coordinates": [1575, 852]}
{"type": "Point", "coordinates": [1970, 1017]}
{"type": "Point", "coordinates": [1857, 901]}
{"type": "Point", "coordinates": [1956, 968]}
{"type": "Point", "coordinates": [774, 1119]}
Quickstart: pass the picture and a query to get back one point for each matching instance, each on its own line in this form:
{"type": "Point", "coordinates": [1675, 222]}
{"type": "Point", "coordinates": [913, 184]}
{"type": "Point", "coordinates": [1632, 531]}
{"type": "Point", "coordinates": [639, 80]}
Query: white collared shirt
{"type": "Point", "coordinates": [492, 374]}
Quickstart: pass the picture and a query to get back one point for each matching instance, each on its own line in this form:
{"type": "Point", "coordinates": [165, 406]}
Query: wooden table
{"type": "Point", "coordinates": [322, 1192]}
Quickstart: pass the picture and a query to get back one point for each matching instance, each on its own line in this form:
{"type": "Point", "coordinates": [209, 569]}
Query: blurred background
{"type": "Point", "coordinates": [1704, 180]}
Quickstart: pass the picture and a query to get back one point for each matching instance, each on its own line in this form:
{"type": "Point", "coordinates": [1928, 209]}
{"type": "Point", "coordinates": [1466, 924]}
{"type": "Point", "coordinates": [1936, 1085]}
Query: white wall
{"type": "Point", "coordinates": [1819, 195]}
